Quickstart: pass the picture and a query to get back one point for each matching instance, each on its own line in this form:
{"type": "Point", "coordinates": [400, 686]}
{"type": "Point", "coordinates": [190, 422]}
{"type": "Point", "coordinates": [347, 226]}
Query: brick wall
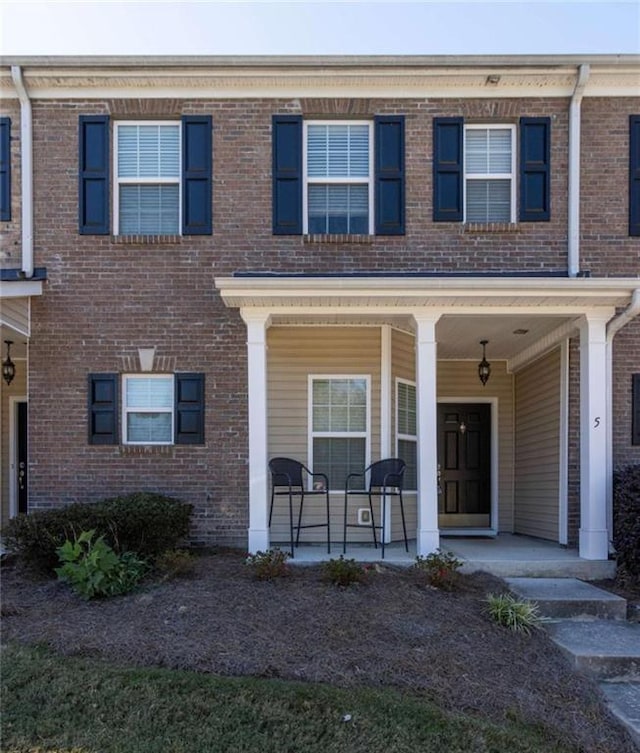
{"type": "Point", "coordinates": [105, 298]}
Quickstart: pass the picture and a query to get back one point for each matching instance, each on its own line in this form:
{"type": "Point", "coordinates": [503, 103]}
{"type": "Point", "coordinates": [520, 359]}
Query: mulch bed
{"type": "Point", "coordinates": [392, 630]}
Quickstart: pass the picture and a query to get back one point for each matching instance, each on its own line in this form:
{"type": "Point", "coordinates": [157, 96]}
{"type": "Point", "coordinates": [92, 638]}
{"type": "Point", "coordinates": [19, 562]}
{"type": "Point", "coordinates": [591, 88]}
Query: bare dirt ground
{"type": "Point", "coordinates": [392, 630]}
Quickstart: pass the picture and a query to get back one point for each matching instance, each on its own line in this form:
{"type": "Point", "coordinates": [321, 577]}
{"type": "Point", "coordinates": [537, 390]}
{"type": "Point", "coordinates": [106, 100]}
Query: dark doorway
{"type": "Point", "coordinates": [22, 464]}
{"type": "Point", "coordinates": [464, 465]}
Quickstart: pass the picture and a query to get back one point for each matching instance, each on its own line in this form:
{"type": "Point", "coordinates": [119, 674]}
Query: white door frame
{"type": "Point", "coordinates": [495, 467]}
{"type": "Point", "coordinates": [14, 400]}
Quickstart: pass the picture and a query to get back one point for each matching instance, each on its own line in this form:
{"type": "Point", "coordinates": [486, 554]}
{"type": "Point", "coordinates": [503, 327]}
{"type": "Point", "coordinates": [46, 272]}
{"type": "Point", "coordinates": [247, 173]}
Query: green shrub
{"type": "Point", "coordinates": [175, 563]}
{"type": "Point", "coordinates": [268, 565]}
{"type": "Point", "coordinates": [344, 572]}
{"type": "Point", "coordinates": [93, 569]}
{"type": "Point", "coordinates": [626, 521]}
{"type": "Point", "coordinates": [440, 569]}
{"type": "Point", "coordinates": [506, 610]}
{"type": "Point", "coordinates": [145, 523]}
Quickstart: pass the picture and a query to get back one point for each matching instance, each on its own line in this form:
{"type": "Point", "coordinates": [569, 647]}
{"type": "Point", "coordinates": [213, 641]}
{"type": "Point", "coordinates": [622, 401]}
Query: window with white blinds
{"type": "Point", "coordinates": [489, 164]}
{"type": "Point", "coordinates": [147, 408]}
{"type": "Point", "coordinates": [147, 160]}
{"type": "Point", "coordinates": [406, 430]}
{"type": "Point", "coordinates": [338, 187]}
{"type": "Point", "coordinates": [339, 426]}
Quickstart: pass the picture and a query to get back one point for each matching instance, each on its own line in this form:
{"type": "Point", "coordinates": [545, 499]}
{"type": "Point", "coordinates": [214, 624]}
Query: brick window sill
{"type": "Point", "coordinates": [481, 228]}
{"type": "Point", "coordinates": [146, 240]}
{"type": "Point", "coordinates": [338, 238]}
{"type": "Point", "coordinates": [135, 450]}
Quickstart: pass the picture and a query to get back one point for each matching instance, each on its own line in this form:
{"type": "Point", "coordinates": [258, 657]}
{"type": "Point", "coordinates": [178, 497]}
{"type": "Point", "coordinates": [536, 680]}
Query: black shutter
{"type": "Point", "coordinates": [448, 161]}
{"type": "Point", "coordinates": [634, 175]}
{"type": "Point", "coordinates": [635, 409]}
{"type": "Point", "coordinates": [287, 174]}
{"type": "Point", "coordinates": [535, 173]}
{"type": "Point", "coordinates": [196, 174]}
{"type": "Point", "coordinates": [103, 409]}
{"type": "Point", "coordinates": [5, 169]}
{"type": "Point", "coordinates": [93, 175]}
{"type": "Point", "coordinates": [389, 174]}
{"type": "Point", "coordinates": [189, 402]}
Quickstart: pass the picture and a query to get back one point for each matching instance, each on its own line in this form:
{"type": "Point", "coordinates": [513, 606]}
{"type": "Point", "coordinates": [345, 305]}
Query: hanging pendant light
{"type": "Point", "coordinates": [484, 367]}
{"type": "Point", "coordinates": [8, 366]}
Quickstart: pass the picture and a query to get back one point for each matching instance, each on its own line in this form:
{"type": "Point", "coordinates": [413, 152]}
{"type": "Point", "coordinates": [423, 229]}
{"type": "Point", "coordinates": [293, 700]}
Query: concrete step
{"type": "Point", "coordinates": [569, 598]}
{"type": "Point", "coordinates": [623, 699]}
{"type": "Point", "coordinates": [607, 649]}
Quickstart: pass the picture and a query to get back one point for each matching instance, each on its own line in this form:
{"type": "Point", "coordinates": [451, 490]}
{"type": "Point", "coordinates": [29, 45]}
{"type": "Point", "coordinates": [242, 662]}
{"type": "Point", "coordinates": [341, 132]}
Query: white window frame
{"type": "Point", "coordinates": [340, 434]}
{"type": "Point", "coordinates": [117, 181]}
{"type": "Point", "coordinates": [491, 176]}
{"type": "Point", "coordinates": [405, 437]}
{"type": "Point", "coordinates": [336, 181]}
{"type": "Point", "coordinates": [126, 410]}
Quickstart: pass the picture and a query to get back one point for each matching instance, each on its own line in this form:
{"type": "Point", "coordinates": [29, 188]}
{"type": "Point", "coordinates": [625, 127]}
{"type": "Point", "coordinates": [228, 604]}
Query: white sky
{"type": "Point", "coordinates": [340, 27]}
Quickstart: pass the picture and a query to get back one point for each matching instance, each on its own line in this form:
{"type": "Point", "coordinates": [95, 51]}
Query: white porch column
{"type": "Point", "coordinates": [594, 537]}
{"type": "Point", "coordinates": [428, 535]}
{"type": "Point", "coordinates": [257, 323]}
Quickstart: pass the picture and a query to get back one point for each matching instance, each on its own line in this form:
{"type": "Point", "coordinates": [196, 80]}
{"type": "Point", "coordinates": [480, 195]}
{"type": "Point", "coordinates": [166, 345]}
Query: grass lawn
{"type": "Point", "coordinates": [67, 704]}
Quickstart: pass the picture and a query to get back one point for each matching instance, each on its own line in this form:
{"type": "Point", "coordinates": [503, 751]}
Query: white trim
{"type": "Point", "coordinates": [511, 177]}
{"type": "Point", "coordinates": [117, 181]}
{"type": "Point", "coordinates": [306, 180]}
{"type": "Point", "coordinates": [386, 410]}
{"type": "Point", "coordinates": [311, 434]}
{"type": "Point", "coordinates": [125, 410]}
{"type": "Point", "coordinates": [495, 466]}
{"type": "Point", "coordinates": [14, 400]}
{"type": "Point", "coordinates": [563, 460]}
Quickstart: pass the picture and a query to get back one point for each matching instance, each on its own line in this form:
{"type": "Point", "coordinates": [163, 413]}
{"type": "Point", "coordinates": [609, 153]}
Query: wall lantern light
{"type": "Point", "coordinates": [8, 366]}
{"type": "Point", "coordinates": [484, 367]}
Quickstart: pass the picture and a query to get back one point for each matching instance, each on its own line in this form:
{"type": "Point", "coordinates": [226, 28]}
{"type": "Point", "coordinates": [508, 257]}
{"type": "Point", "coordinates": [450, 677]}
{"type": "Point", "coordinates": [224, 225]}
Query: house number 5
{"type": "Point", "coordinates": [596, 423]}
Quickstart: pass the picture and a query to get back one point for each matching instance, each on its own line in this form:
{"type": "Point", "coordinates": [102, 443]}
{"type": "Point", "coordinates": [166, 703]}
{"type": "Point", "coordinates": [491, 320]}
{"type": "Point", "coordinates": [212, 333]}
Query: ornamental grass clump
{"type": "Point", "coordinates": [344, 572]}
{"type": "Point", "coordinates": [519, 616]}
{"type": "Point", "coordinates": [175, 563]}
{"type": "Point", "coordinates": [440, 569]}
{"type": "Point", "coordinates": [268, 565]}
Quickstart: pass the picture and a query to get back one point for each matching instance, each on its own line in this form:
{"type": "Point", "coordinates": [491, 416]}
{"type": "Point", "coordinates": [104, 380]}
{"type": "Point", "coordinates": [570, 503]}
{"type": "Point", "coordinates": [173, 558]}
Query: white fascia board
{"type": "Point", "coordinates": [20, 288]}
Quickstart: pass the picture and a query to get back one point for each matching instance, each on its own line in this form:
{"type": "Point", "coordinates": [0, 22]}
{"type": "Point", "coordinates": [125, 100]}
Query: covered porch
{"type": "Point", "coordinates": [426, 331]}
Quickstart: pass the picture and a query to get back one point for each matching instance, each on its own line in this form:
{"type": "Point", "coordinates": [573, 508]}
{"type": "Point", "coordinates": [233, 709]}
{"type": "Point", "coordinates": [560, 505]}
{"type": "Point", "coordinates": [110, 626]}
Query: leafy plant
{"type": "Point", "coordinates": [520, 616]}
{"type": "Point", "coordinates": [440, 569]}
{"type": "Point", "coordinates": [175, 563]}
{"type": "Point", "coordinates": [145, 523]}
{"type": "Point", "coordinates": [92, 568]}
{"type": "Point", "coordinates": [344, 572]}
{"type": "Point", "coordinates": [626, 522]}
{"type": "Point", "coordinates": [268, 565]}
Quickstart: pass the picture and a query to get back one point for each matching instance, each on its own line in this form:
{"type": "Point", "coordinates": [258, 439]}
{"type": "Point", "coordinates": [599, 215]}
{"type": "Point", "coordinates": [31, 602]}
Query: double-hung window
{"type": "Point", "coordinates": [406, 430]}
{"type": "Point", "coordinates": [147, 170]}
{"type": "Point", "coordinates": [147, 409]}
{"type": "Point", "coordinates": [338, 187]}
{"type": "Point", "coordinates": [489, 167]}
{"type": "Point", "coordinates": [339, 425]}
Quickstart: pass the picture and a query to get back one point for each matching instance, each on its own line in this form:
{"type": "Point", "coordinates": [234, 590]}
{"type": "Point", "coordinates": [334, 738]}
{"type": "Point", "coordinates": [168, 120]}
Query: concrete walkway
{"type": "Point", "coordinates": [591, 627]}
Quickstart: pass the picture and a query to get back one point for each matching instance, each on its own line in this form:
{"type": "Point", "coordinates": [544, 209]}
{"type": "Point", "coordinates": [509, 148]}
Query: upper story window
{"type": "Point", "coordinates": [147, 171]}
{"type": "Point", "coordinates": [338, 177]}
{"type": "Point", "coordinates": [483, 174]}
{"type": "Point", "coordinates": [338, 187]}
{"type": "Point", "coordinates": [489, 167]}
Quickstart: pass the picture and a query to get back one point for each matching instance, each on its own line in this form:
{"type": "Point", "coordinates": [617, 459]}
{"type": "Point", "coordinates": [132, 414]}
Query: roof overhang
{"type": "Point", "coordinates": [408, 294]}
{"type": "Point", "coordinates": [485, 76]}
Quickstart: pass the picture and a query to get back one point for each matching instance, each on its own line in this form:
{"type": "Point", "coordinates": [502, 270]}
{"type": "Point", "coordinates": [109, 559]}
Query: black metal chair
{"type": "Point", "coordinates": [386, 478]}
{"type": "Point", "coordinates": [288, 478]}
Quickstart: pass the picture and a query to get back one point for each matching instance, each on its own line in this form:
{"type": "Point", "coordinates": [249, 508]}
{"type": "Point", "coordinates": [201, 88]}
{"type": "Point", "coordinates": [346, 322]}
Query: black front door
{"type": "Point", "coordinates": [464, 465]}
{"type": "Point", "coordinates": [21, 457]}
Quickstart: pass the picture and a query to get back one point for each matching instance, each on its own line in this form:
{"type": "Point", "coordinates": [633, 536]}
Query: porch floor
{"type": "Point", "coordinates": [506, 555]}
